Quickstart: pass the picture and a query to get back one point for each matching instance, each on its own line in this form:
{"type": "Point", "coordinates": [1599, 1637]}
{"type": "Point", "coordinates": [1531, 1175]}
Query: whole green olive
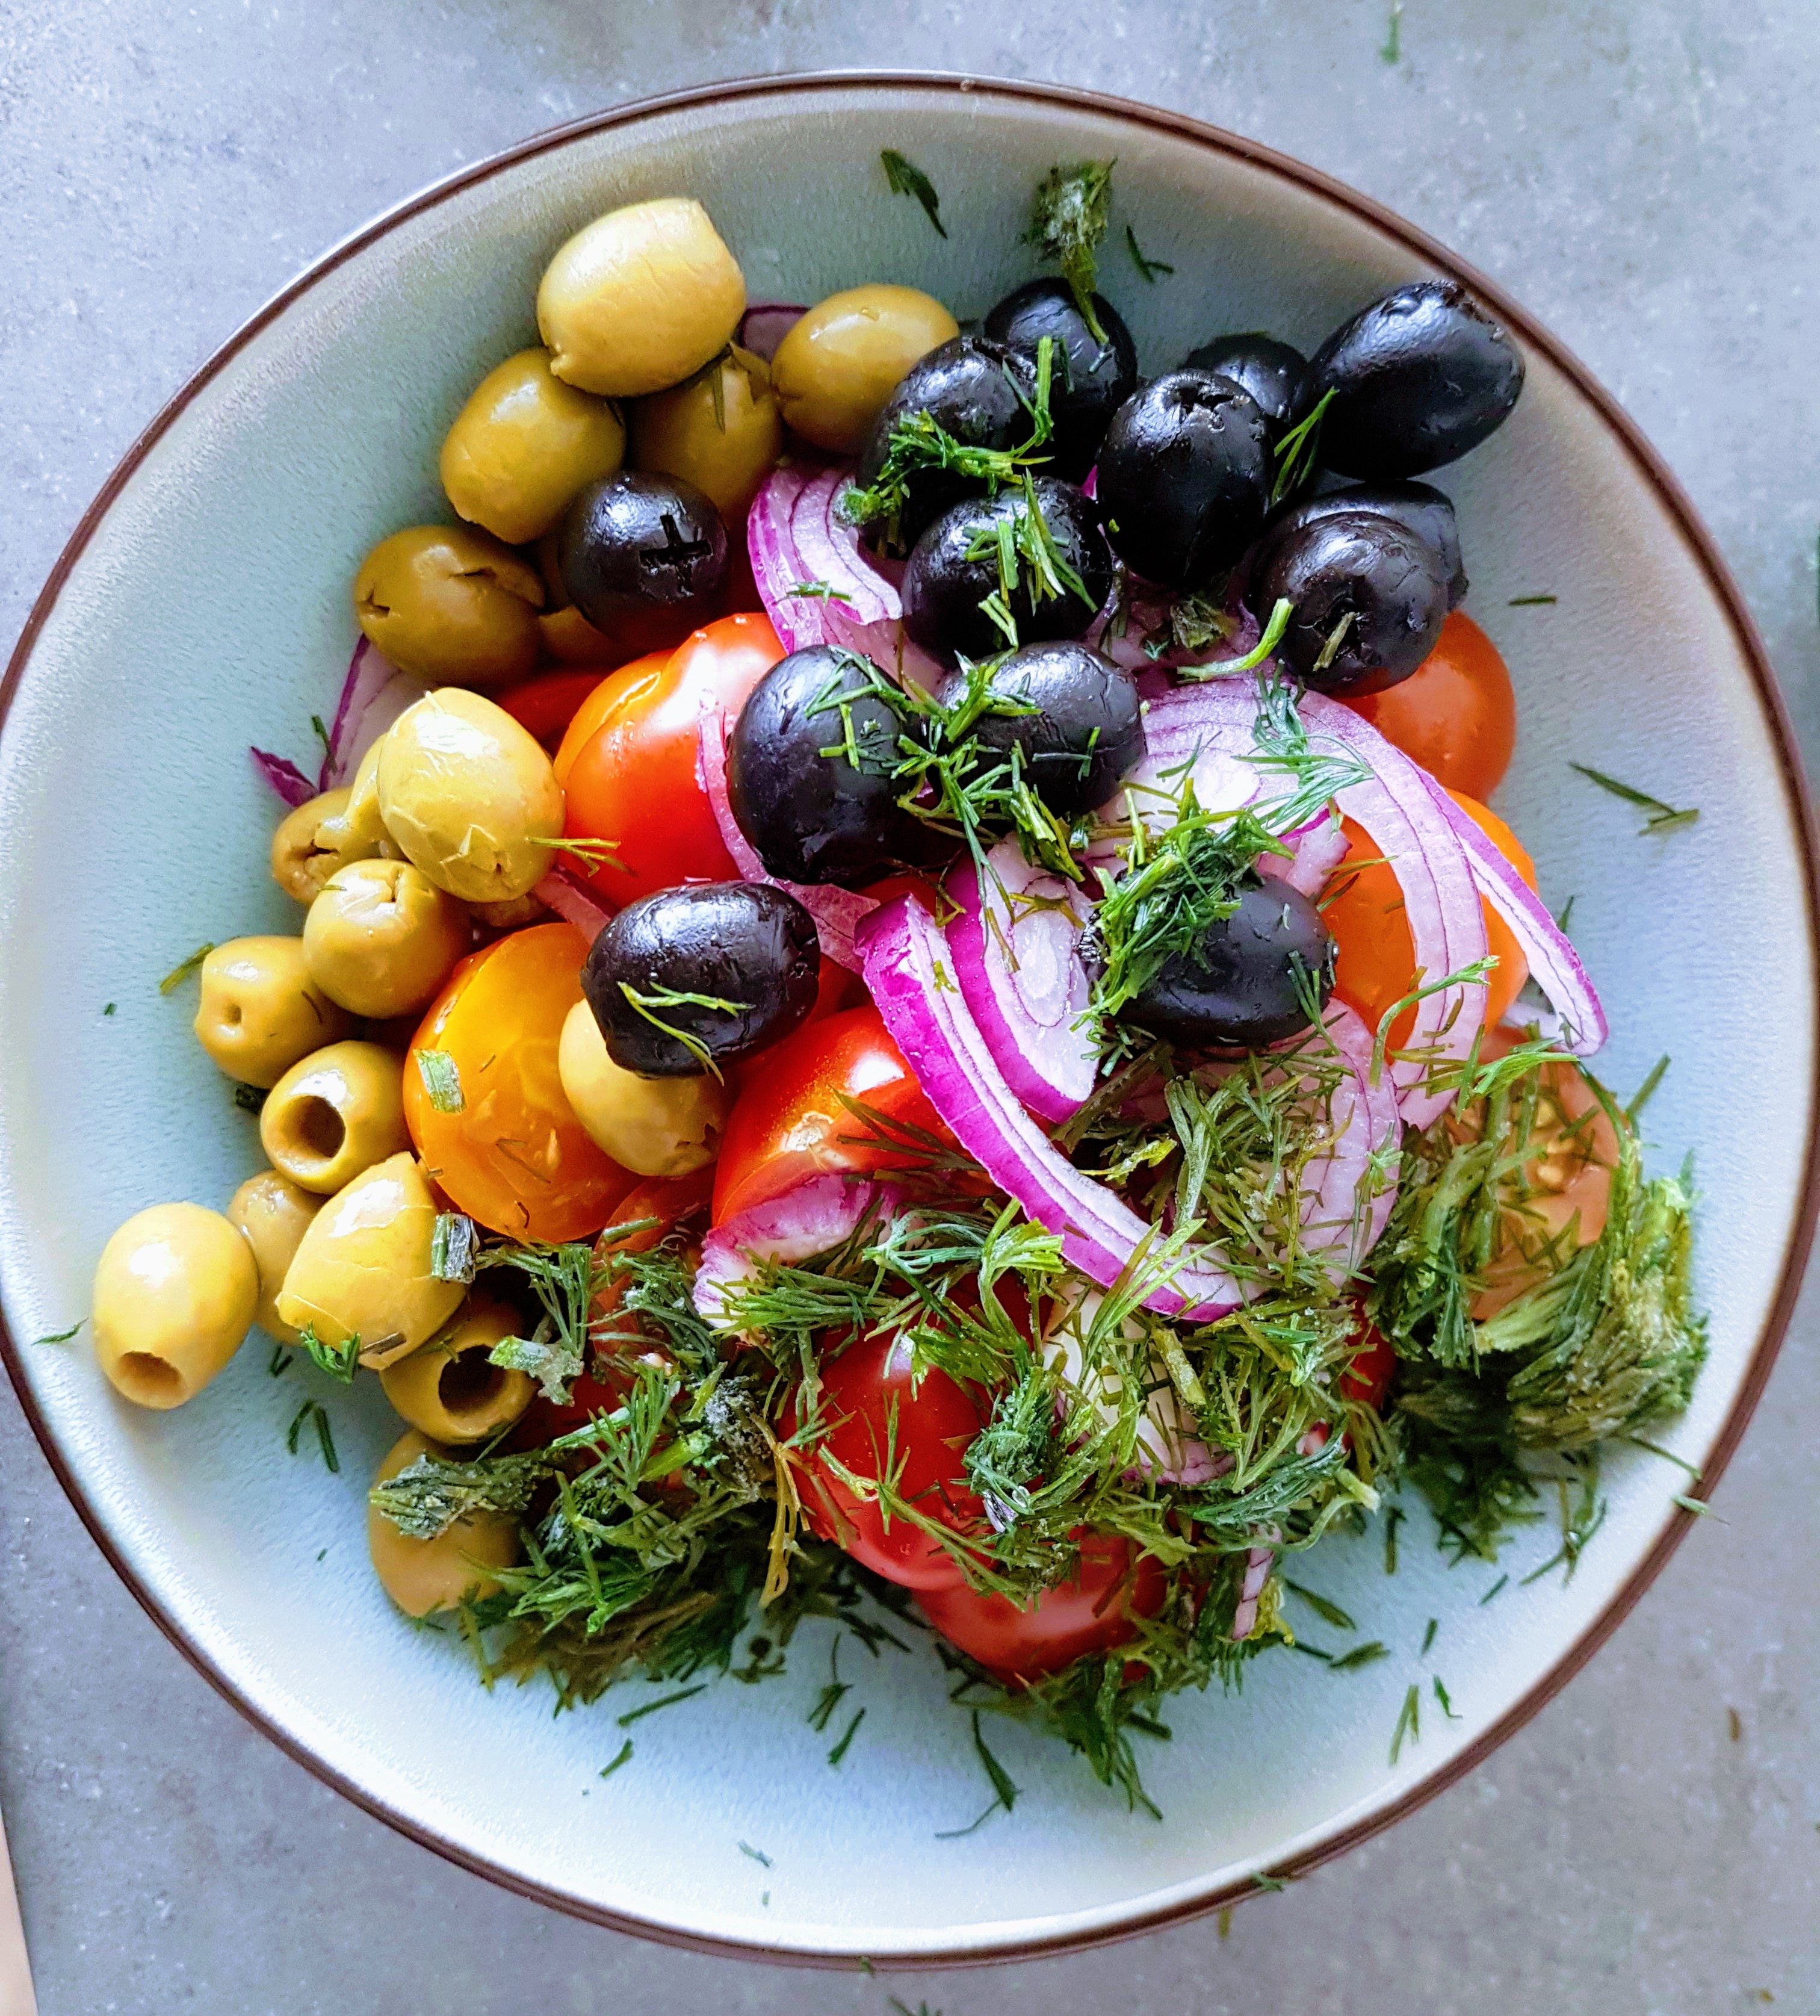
{"type": "Point", "coordinates": [260, 1008]}
{"type": "Point", "coordinates": [639, 298]}
{"type": "Point", "coordinates": [364, 1268]}
{"type": "Point", "coordinates": [273, 1213]}
{"type": "Point", "coordinates": [470, 796]}
{"type": "Point", "coordinates": [653, 1126]}
{"type": "Point", "coordinates": [838, 364]}
{"type": "Point", "coordinates": [523, 444]}
{"type": "Point", "coordinates": [450, 1388]}
{"type": "Point", "coordinates": [381, 939]}
{"type": "Point", "coordinates": [451, 604]}
{"type": "Point", "coordinates": [175, 1290]}
{"type": "Point", "coordinates": [321, 835]}
{"type": "Point", "coordinates": [337, 1112]}
{"type": "Point", "coordinates": [422, 1576]}
{"type": "Point", "coordinates": [720, 431]}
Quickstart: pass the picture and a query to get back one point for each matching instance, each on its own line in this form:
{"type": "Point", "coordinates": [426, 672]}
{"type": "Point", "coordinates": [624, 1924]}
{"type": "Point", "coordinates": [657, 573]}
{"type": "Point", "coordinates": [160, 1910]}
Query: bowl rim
{"type": "Point", "coordinates": [1703, 553]}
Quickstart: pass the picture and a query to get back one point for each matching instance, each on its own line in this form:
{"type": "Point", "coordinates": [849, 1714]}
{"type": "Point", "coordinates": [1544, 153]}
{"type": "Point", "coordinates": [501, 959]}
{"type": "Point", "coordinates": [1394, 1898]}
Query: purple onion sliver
{"type": "Point", "coordinates": [284, 777]}
{"type": "Point", "coordinates": [765, 325]}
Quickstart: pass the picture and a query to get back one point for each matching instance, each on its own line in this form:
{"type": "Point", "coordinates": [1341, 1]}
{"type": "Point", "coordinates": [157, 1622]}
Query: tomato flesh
{"type": "Point", "coordinates": [608, 694]}
{"type": "Point", "coordinates": [546, 705]}
{"type": "Point", "coordinates": [1456, 714]}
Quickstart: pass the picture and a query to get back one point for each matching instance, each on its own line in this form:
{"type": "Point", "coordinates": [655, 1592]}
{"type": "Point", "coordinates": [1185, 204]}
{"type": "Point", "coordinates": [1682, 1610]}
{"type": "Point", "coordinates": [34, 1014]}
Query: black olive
{"type": "Point", "coordinates": [1418, 378]}
{"type": "Point", "coordinates": [1275, 374]}
{"type": "Point", "coordinates": [749, 950]}
{"type": "Point", "coordinates": [644, 558]}
{"type": "Point", "coordinates": [956, 567]}
{"type": "Point", "coordinates": [1245, 986]}
{"type": "Point", "coordinates": [1417, 507]}
{"type": "Point", "coordinates": [1184, 478]}
{"type": "Point", "coordinates": [976, 391]}
{"type": "Point", "coordinates": [1089, 381]}
{"type": "Point", "coordinates": [813, 817]}
{"type": "Point", "coordinates": [1370, 598]}
{"type": "Point", "coordinates": [1087, 730]}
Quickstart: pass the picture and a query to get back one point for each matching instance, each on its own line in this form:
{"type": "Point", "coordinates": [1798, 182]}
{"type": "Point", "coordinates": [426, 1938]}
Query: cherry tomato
{"type": "Point", "coordinates": [876, 1424]}
{"type": "Point", "coordinates": [546, 705]}
{"type": "Point", "coordinates": [1455, 714]}
{"type": "Point", "coordinates": [514, 1157]}
{"type": "Point", "coordinates": [788, 1121]}
{"type": "Point", "coordinates": [610, 693]}
{"type": "Point", "coordinates": [1375, 956]}
{"type": "Point", "coordinates": [1091, 1613]}
{"type": "Point", "coordinates": [1368, 1378]}
{"type": "Point", "coordinates": [636, 784]}
{"type": "Point", "coordinates": [836, 990]}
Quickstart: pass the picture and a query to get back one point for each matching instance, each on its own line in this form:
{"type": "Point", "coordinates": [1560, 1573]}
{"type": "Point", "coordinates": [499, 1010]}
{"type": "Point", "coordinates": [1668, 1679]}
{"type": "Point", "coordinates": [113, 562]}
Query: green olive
{"type": "Point", "coordinates": [522, 446]}
{"type": "Point", "coordinates": [838, 364]}
{"type": "Point", "coordinates": [470, 796]}
{"type": "Point", "coordinates": [363, 1267]}
{"type": "Point", "coordinates": [451, 604]}
{"type": "Point", "coordinates": [653, 1126]}
{"type": "Point", "coordinates": [720, 431]}
{"type": "Point", "coordinates": [381, 938]}
{"type": "Point", "coordinates": [639, 299]}
{"type": "Point", "coordinates": [261, 1009]}
{"type": "Point", "coordinates": [449, 1388]}
{"type": "Point", "coordinates": [175, 1293]}
{"type": "Point", "coordinates": [337, 1112]}
{"type": "Point", "coordinates": [273, 1215]}
{"type": "Point", "coordinates": [421, 1576]}
{"type": "Point", "coordinates": [323, 835]}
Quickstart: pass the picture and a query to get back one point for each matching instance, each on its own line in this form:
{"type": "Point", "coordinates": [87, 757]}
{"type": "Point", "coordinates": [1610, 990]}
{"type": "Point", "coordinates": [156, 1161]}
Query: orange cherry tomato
{"type": "Point", "coordinates": [616, 690]}
{"type": "Point", "coordinates": [788, 1121]}
{"type": "Point", "coordinates": [635, 783]}
{"type": "Point", "coordinates": [1374, 964]}
{"type": "Point", "coordinates": [515, 1158]}
{"type": "Point", "coordinates": [1455, 714]}
{"type": "Point", "coordinates": [546, 705]}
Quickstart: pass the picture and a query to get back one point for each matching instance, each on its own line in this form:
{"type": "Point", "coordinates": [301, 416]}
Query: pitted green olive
{"type": "Point", "coordinates": [522, 446]}
{"type": "Point", "coordinates": [273, 1215]}
{"type": "Point", "coordinates": [838, 364]}
{"type": "Point", "coordinates": [450, 1389]}
{"type": "Point", "coordinates": [720, 431]}
{"type": "Point", "coordinates": [259, 1009]}
{"type": "Point", "coordinates": [320, 836]}
{"type": "Point", "coordinates": [422, 1576]}
{"type": "Point", "coordinates": [175, 1293]}
{"type": "Point", "coordinates": [451, 604]}
{"type": "Point", "coordinates": [639, 299]}
{"type": "Point", "coordinates": [382, 937]}
{"type": "Point", "coordinates": [469, 796]}
{"type": "Point", "coordinates": [337, 1112]}
{"type": "Point", "coordinates": [653, 1126]}
{"type": "Point", "coordinates": [363, 1267]}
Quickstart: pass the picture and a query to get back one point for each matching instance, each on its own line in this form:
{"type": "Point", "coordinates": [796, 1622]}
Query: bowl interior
{"type": "Point", "coordinates": [210, 610]}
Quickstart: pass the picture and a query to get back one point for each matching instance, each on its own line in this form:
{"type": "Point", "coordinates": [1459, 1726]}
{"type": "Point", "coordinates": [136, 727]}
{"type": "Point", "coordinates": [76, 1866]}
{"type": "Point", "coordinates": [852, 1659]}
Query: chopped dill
{"type": "Point", "coordinates": [340, 1361]}
{"type": "Point", "coordinates": [312, 1411]}
{"type": "Point", "coordinates": [454, 1247]}
{"type": "Point", "coordinates": [279, 1363]}
{"type": "Point", "coordinates": [316, 722]}
{"type": "Point", "coordinates": [1068, 219]}
{"type": "Point", "coordinates": [1031, 564]}
{"type": "Point", "coordinates": [1440, 1694]}
{"type": "Point", "coordinates": [1502, 1583]}
{"type": "Point", "coordinates": [62, 1336]}
{"type": "Point", "coordinates": [112, 1008]}
{"type": "Point", "coordinates": [1324, 1607]}
{"type": "Point", "coordinates": [1297, 451]}
{"type": "Point", "coordinates": [1225, 668]}
{"type": "Point", "coordinates": [442, 1081]}
{"type": "Point", "coordinates": [1662, 818]}
{"type": "Point", "coordinates": [1408, 1722]}
{"type": "Point", "coordinates": [646, 1004]}
{"type": "Point", "coordinates": [819, 591]}
{"type": "Point", "coordinates": [1147, 269]}
{"type": "Point", "coordinates": [1392, 51]}
{"type": "Point", "coordinates": [1428, 1636]}
{"type": "Point", "coordinates": [249, 1098]}
{"type": "Point", "coordinates": [1362, 1655]}
{"type": "Point", "coordinates": [180, 973]}
{"type": "Point", "coordinates": [1392, 1519]}
{"type": "Point", "coordinates": [624, 1756]}
{"type": "Point", "coordinates": [905, 179]}
{"type": "Point", "coordinates": [667, 1701]}
{"type": "Point", "coordinates": [1699, 1506]}
{"type": "Point", "coordinates": [756, 1854]}
{"type": "Point", "coordinates": [1532, 602]}
{"type": "Point", "coordinates": [841, 1748]}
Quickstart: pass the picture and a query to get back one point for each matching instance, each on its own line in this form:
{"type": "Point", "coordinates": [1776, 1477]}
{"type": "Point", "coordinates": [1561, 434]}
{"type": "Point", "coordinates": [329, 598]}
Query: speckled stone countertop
{"type": "Point", "coordinates": [1646, 177]}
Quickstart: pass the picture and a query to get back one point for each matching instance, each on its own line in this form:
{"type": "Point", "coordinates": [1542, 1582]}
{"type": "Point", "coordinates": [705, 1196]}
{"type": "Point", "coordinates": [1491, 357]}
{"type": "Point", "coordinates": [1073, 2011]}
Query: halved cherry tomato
{"type": "Point", "coordinates": [635, 783]}
{"type": "Point", "coordinates": [610, 692]}
{"type": "Point", "coordinates": [1091, 1613]}
{"type": "Point", "coordinates": [1455, 714]}
{"type": "Point", "coordinates": [836, 990]}
{"type": "Point", "coordinates": [788, 1121]}
{"type": "Point", "coordinates": [546, 705]}
{"type": "Point", "coordinates": [514, 1156]}
{"type": "Point", "coordinates": [1375, 956]}
{"type": "Point", "coordinates": [875, 1426]}
{"type": "Point", "coordinates": [1368, 1377]}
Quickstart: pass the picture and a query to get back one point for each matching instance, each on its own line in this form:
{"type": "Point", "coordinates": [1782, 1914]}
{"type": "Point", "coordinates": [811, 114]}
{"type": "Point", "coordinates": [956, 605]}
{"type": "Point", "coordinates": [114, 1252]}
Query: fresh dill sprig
{"type": "Point", "coordinates": [1297, 451]}
{"type": "Point", "coordinates": [1030, 563]}
{"type": "Point", "coordinates": [181, 972]}
{"type": "Point", "coordinates": [1068, 219]}
{"type": "Point", "coordinates": [819, 591]}
{"type": "Point", "coordinates": [340, 1361]}
{"type": "Point", "coordinates": [647, 1002]}
{"type": "Point", "coordinates": [1662, 818]}
{"type": "Point", "coordinates": [62, 1336]}
{"type": "Point", "coordinates": [905, 179]}
{"type": "Point", "coordinates": [1147, 269]}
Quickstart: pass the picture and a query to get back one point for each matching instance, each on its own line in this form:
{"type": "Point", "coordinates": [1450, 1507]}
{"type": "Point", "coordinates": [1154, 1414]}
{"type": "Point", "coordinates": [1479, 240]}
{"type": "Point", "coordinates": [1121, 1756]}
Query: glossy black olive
{"type": "Point", "coordinates": [976, 391]}
{"type": "Point", "coordinates": [810, 817]}
{"type": "Point", "coordinates": [1184, 478]}
{"type": "Point", "coordinates": [1244, 986]}
{"type": "Point", "coordinates": [1418, 378]}
{"type": "Point", "coordinates": [1275, 374]}
{"type": "Point", "coordinates": [1418, 507]}
{"type": "Point", "coordinates": [1370, 598]}
{"type": "Point", "coordinates": [644, 558]}
{"type": "Point", "coordinates": [748, 950]}
{"type": "Point", "coordinates": [956, 567]}
{"type": "Point", "coordinates": [1087, 729]}
{"type": "Point", "coordinates": [1089, 381]}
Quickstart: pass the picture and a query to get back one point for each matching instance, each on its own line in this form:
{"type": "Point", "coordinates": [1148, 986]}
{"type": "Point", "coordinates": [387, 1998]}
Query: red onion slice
{"type": "Point", "coordinates": [765, 324]}
{"type": "Point", "coordinates": [1258, 1565]}
{"type": "Point", "coordinates": [909, 969]}
{"type": "Point", "coordinates": [1364, 1123]}
{"type": "Point", "coordinates": [1017, 955]}
{"type": "Point", "coordinates": [574, 902]}
{"type": "Point", "coordinates": [284, 777]}
{"type": "Point", "coordinates": [373, 695]}
{"type": "Point", "coordinates": [813, 1217]}
{"type": "Point", "coordinates": [1319, 849]}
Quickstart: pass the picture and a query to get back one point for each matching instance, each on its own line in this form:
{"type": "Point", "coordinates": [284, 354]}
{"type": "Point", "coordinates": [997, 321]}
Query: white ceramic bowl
{"type": "Point", "coordinates": [203, 605]}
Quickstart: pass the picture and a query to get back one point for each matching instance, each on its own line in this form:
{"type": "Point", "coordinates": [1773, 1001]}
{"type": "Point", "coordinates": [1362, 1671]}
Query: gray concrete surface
{"type": "Point", "coordinates": [1647, 176]}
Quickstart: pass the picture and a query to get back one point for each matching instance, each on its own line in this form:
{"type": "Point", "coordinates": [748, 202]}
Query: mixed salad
{"type": "Point", "coordinates": [908, 999]}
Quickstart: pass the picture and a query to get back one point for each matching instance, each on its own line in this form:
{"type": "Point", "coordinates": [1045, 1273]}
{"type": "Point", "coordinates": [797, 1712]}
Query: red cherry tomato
{"type": "Point", "coordinates": [635, 783]}
{"type": "Point", "coordinates": [1091, 1613]}
{"type": "Point", "coordinates": [612, 692]}
{"type": "Point", "coordinates": [1455, 714]}
{"type": "Point", "coordinates": [546, 705]}
{"type": "Point", "coordinates": [1368, 1378]}
{"type": "Point", "coordinates": [875, 1423]}
{"type": "Point", "coordinates": [788, 1121]}
{"type": "Point", "coordinates": [836, 990]}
